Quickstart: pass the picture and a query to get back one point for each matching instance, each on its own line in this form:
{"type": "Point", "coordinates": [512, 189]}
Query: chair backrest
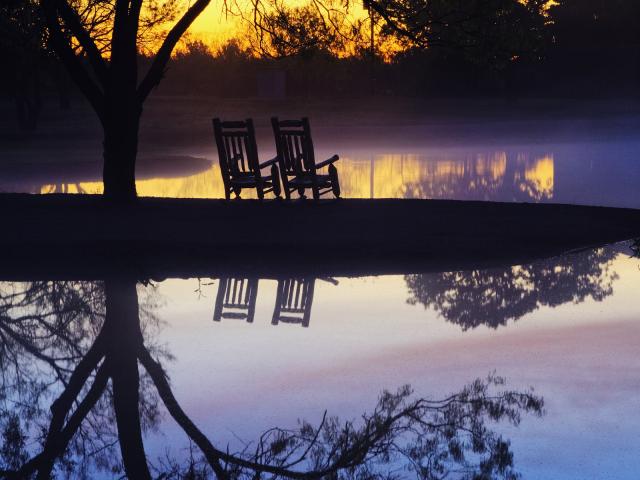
{"type": "Point", "coordinates": [294, 145]}
{"type": "Point", "coordinates": [293, 301]}
{"type": "Point", "coordinates": [237, 148]}
{"type": "Point", "coordinates": [236, 299]}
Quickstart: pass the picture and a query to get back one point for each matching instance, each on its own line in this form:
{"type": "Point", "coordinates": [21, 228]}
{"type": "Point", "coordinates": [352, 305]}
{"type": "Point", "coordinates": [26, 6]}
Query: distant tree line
{"type": "Point", "coordinates": [510, 48]}
{"type": "Point", "coordinates": [414, 48]}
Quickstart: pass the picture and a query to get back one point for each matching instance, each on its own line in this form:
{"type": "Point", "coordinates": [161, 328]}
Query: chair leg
{"type": "Point", "coordinates": [335, 183]}
{"type": "Point", "coordinates": [285, 186]}
{"type": "Point", "coordinates": [316, 192]}
{"type": "Point", "coordinates": [275, 180]}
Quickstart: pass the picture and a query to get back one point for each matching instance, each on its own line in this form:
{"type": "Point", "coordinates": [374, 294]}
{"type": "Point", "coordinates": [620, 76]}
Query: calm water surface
{"type": "Point", "coordinates": [580, 173]}
{"type": "Point", "coordinates": [568, 327]}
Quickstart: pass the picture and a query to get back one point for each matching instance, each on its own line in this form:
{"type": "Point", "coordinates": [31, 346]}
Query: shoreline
{"type": "Point", "coordinates": [84, 236]}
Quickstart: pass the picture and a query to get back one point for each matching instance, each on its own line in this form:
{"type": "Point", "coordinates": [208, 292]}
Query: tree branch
{"type": "Point", "coordinates": [72, 62]}
{"type": "Point", "coordinates": [154, 75]}
{"type": "Point", "coordinates": [72, 20]}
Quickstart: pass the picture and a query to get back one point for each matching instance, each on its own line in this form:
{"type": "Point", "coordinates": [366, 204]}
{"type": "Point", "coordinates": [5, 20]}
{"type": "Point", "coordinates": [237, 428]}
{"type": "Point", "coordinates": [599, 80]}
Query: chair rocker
{"type": "Point", "coordinates": [238, 159]}
{"type": "Point", "coordinates": [297, 162]}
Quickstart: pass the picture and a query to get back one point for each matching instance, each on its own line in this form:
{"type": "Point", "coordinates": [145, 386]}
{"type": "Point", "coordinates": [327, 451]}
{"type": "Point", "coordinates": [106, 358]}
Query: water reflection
{"type": "Point", "coordinates": [85, 373]}
{"type": "Point", "coordinates": [88, 349]}
{"type": "Point", "coordinates": [482, 176]}
{"type": "Point", "coordinates": [493, 297]}
{"type": "Point", "coordinates": [236, 299]}
{"type": "Point", "coordinates": [592, 173]}
{"type": "Point", "coordinates": [490, 297]}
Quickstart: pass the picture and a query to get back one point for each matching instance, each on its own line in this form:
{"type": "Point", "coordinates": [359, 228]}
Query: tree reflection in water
{"type": "Point", "coordinates": [493, 297]}
{"type": "Point", "coordinates": [87, 349]}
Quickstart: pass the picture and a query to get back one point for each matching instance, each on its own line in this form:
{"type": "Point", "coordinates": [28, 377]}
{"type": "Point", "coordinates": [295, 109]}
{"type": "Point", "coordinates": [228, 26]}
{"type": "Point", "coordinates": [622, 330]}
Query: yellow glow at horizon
{"type": "Point", "coordinates": [214, 26]}
{"type": "Point", "coordinates": [481, 176]}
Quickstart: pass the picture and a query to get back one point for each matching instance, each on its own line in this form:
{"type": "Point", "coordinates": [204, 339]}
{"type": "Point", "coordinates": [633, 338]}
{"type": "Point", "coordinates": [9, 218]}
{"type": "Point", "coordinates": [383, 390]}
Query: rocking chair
{"type": "Point", "coordinates": [297, 162]}
{"type": "Point", "coordinates": [238, 158]}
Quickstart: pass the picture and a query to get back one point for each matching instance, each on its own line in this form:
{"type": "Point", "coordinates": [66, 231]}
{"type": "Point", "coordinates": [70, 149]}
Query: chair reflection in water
{"type": "Point", "coordinates": [294, 299]}
{"type": "Point", "coordinates": [236, 299]}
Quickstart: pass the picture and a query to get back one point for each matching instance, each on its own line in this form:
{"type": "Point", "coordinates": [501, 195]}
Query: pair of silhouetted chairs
{"type": "Point", "coordinates": [236, 299]}
{"type": "Point", "coordinates": [294, 163]}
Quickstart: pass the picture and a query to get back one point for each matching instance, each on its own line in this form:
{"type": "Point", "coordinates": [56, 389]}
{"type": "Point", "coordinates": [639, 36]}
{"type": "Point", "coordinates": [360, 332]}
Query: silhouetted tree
{"type": "Point", "coordinates": [596, 45]}
{"type": "Point", "coordinates": [99, 42]}
{"type": "Point", "coordinates": [495, 296]}
{"type": "Point", "coordinates": [307, 30]}
{"type": "Point", "coordinates": [23, 52]}
{"type": "Point", "coordinates": [494, 32]}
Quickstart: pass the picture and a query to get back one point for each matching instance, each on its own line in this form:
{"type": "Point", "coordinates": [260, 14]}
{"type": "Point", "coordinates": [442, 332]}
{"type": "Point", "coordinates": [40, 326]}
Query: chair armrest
{"type": "Point", "coordinates": [273, 161]}
{"type": "Point", "coordinates": [327, 162]}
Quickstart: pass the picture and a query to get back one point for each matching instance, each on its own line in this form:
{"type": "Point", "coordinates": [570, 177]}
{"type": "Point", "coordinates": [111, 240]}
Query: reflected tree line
{"type": "Point", "coordinates": [504, 176]}
{"type": "Point", "coordinates": [496, 296]}
{"type": "Point", "coordinates": [83, 381]}
{"type": "Point", "coordinates": [468, 298]}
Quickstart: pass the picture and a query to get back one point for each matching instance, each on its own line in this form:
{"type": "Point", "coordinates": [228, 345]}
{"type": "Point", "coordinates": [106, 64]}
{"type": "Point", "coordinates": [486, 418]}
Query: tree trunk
{"type": "Point", "coordinates": [120, 149]}
{"type": "Point", "coordinates": [123, 324]}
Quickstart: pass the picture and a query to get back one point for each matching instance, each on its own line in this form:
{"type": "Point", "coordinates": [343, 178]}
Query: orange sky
{"type": "Point", "coordinates": [215, 26]}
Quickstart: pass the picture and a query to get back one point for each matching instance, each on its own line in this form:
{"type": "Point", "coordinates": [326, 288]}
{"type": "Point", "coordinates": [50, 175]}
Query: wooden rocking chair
{"type": "Point", "coordinates": [236, 299]}
{"type": "Point", "coordinates": [297, 160]}
{"type": "Point", "coordinates": [238, 159]}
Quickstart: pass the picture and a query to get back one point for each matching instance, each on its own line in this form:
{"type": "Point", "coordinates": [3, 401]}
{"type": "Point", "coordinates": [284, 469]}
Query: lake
{"type": "Point", "coordinates": [244, 355]}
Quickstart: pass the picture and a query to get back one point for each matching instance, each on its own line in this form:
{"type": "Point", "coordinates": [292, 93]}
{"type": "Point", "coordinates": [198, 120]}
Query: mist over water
{"type": "Point", "coordinates": [579, 172]}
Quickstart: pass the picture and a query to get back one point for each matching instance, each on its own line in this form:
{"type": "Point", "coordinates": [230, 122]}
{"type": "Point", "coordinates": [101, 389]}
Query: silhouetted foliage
{"type": "Point", "coordinates": [493, 297]}
{"type": "Point", "coordinates": [24, 58]}
{"type": "Point", "coordinates": [493, 32]}
{"type": "Point", "coordinates": [596, 46]}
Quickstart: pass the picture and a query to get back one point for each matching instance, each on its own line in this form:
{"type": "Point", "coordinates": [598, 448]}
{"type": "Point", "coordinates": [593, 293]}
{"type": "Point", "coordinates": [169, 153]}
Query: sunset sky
{"type": "Point", "coordinates": [214, 26]}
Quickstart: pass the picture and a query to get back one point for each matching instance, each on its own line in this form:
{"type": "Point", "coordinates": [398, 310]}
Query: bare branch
{"type": "Point", "coordinates": [154, 75]}
{"type": "Point", "coordinates": [73, 22]}
{"type": "Point", "coordinates": [71, 61]}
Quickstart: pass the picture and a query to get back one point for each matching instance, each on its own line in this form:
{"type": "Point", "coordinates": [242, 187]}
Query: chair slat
{"type": "Point", "coordinates": [234, 124]}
